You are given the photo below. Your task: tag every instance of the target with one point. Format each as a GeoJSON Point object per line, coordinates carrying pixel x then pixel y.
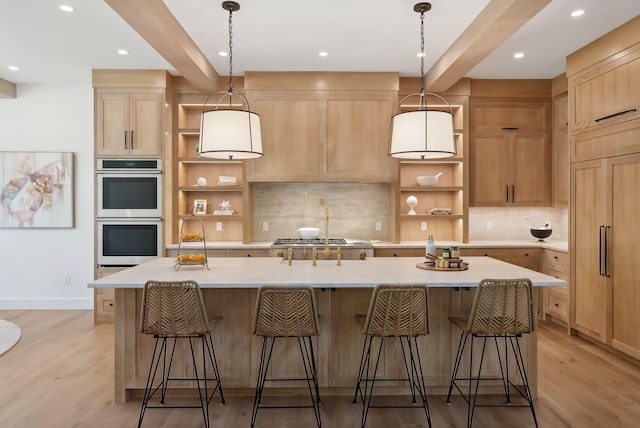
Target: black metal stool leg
{"type": "Point", "coordinates": [216, 372]}
{"type": "Point", "coordinates": [153, 368]}
{"type": "Point", "coordinates": [523, 376]}
{"type": "Point", "coordinates": [456, 365]}
{"type": "Point", "coordinates": [364, 359]}
{"type": "Point", "coordinates": [368, 391]}
{"type": "Point", "coordinates": [308, 361]}
{"type": "Point", "coordinates": [265, 359]}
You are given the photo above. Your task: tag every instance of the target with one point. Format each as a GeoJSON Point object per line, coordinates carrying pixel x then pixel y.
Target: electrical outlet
{"type": "Point", "coordinates": [489, 225]}
{"type": "Point", "coordinates": [67, 279]}
{"type": "Point", "coordinates": [218, 226]}
{"type": "Point", "coordinates": [378, 226]}
{"type": "Point", "coordinates": [265, 226]}
{"type": "Point", "coordinates": [423, 225]}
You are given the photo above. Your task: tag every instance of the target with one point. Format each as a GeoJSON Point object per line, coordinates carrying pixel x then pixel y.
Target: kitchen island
{"type": "Point", "coordinates": [229, 289]}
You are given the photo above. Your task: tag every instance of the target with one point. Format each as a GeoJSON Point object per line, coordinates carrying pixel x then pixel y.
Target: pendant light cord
{"type": "Point", "coordinates": [230, 53]}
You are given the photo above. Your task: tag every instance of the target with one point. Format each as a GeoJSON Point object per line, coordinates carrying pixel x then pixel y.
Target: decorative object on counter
{"type": "Point", "coordinates": [412, 201]}
{"type": "Point", "coordinates": [425, 133]}
{"type": "Point", "coordinates": [430, 248]}
{"type": "Point", "coordinates": [199, 259]}
{"type": "Point", "coordinates": [308, 232]}
{"type": "Point", "coordinates": [440, 211]}
{"type": "Point", "coordinates": [428, 180]}
{"type": "Point", "coordinates": [201, 181]}
{"type": "Point", "coordinates": [226, 209]}
{"type": "Point", "coordinates": [226, 180]}
{"type": "Point", "coordinates": [442, 264]}
{"type": "Point", "coordinates": [541, 232]}
{"type": "Point", "coordinates": [229, 131]}
{"type": "Point", "coordinates": [191, 236]}
{"type": "Point", "coordinates": [199, 206]}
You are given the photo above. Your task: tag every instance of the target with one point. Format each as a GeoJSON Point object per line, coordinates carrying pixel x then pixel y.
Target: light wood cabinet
{"type": "Point", "coordinates": [555, 300]}
{"type": "Point", "coordinates": [560, 144]}
{"type": "Point", "coordinates": [510, 153]}
{"type": "Point", "coordinates": [605, 243]}
{"type": "Point", "coordinates": [189, 168]}
{"type": "Point", "coordinates": [129, 123]}
{"type": "Point", "coordinates": [607, 93]}
{"type": "Point", "coordinates": [530, 258]}
{"type": "Point", "coordinates": [323, 135]}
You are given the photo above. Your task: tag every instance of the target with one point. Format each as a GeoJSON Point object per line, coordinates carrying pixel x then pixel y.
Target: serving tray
{"type": "Point", "coordinates": [428, 266]}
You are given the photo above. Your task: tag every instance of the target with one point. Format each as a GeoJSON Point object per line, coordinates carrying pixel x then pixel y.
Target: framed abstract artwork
{"type": "Point", "coordinates": [36, 189]}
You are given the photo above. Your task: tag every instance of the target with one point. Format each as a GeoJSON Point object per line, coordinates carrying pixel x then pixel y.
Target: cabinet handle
{"type": "Point", "coordinates": [611, 116]}
{"type": "Point", "coordinates": [507, 194]}
{"type": "Point", "coordinates": [132, 145]}
{"type": "Point", "coordinates": [600, 242]}
{"type": "Point", "coordinates": [607, 238]}
{"type": "Point", "coordinates": [513, 193]}
{"type": "Point", "coordinates": [508, 128]}
{"type": "Point", "coordinates": [125, 140]}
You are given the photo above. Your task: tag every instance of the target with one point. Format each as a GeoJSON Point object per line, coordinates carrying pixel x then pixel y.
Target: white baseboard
{"type": "Point", "coordinates": [44, 304]}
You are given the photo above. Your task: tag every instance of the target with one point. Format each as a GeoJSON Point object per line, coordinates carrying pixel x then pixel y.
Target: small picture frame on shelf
{"type": "Point", "coordinates": [199, 206]}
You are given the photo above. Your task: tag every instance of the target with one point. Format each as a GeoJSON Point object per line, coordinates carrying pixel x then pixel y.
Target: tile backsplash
{"type": "Point", "coordinates": [513, 223]}
{"type": "Point", "coordinates": [355, 208]}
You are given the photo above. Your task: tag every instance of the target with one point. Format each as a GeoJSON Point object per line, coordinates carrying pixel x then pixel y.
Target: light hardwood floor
{"type": "Point", "coordinates": [60, 375]}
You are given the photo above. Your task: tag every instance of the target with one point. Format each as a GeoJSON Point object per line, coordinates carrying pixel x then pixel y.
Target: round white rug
{"type": "Point", "coordinates": [9, 335]}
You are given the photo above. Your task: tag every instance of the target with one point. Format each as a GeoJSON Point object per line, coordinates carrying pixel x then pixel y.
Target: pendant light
{"type": "Point", "coordinates": [230, 130]}
{"type": "Point", "coordinates": [426, 132]}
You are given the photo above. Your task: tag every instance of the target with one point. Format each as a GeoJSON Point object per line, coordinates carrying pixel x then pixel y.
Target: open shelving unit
{"type": "Point", "coordinates": [450, 192]}
{"type": "Point", "coordinates": [190, 167]}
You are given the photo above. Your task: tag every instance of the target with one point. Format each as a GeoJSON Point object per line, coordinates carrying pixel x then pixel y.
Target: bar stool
{"type": "Point", "coordinates": [175, 310]}
{"type": "Point", "coordinates": [400, 311]}
{"type": "Point", "coordinates": [502, 309]}
{"type": "Point", "coordinates": [283, 312]}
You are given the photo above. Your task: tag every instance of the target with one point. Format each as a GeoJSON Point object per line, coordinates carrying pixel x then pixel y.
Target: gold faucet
{"type": "Point", "coordinates": [326, 251]}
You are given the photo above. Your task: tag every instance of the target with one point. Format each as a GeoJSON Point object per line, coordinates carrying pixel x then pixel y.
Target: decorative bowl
{"type": "Point", "coordinates": [428, 180]}
{"type": "Point", "coordinates": [541, 233]}
{"type": "Point", "coordinates": [308, 232]}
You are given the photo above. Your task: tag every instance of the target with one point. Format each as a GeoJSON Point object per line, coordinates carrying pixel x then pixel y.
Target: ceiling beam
{"type": "Point", "coordinates": [7, 89]}
{"type": "Point", "coordinates": [495, 24]}
{"type": "Point", "coordinates": [157, 25]}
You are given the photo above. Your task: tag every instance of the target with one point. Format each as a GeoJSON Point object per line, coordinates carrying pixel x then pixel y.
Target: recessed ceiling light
{"type": "Point", "coordinates": [578, 12]}
{"type": "Point", "coordinates": [323, 53]}
{"type": "Point", "coordinates": [223, 53]}
{"type": "Point", "coordinates": [13, 68]}
{"type": "Point", "coordinates": [66, 8]}
{"type": "Point", "coordinates": [123, 52]}
{"type": "Point", "coordinates": [518, 55]}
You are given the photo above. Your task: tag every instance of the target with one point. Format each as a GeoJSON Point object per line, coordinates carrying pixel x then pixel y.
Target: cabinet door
{"type": "Point", "coordinates": [607, 95]}
{"type": "Point", "coordinates": [561, 152]}
{"type": "Point", "coordinates": [529, 172]}
{"type": "Point", "coordinates": [490, 154]}
{"type": "Point", "coordinates": [146, 124]}
{"type": "Point", "coordinates": [292, 139]}
{"type": "Point", "coordinates": [112, 124]}
{"type": "Point", "coordinates": [624, 269]}
{"type": "Point", "coordinates": [588, 286]}
{"type": "Point", "coordinates": [129, 124]}
{"type": "Point", "coordinates": [357, 139]}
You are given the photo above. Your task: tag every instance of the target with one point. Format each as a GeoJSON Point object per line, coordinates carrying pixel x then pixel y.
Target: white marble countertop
{"type": "Point", "coordinates": [252, 272]}
{"type": "Point", "coordinates": [547, 244]}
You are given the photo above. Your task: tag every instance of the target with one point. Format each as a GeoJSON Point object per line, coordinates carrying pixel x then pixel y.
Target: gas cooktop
{"type": "Point", "coordinates": [316, 241]}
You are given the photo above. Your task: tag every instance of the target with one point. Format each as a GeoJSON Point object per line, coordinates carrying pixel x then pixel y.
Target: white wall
{"type": "Point", "coordinates": [34, 261]}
